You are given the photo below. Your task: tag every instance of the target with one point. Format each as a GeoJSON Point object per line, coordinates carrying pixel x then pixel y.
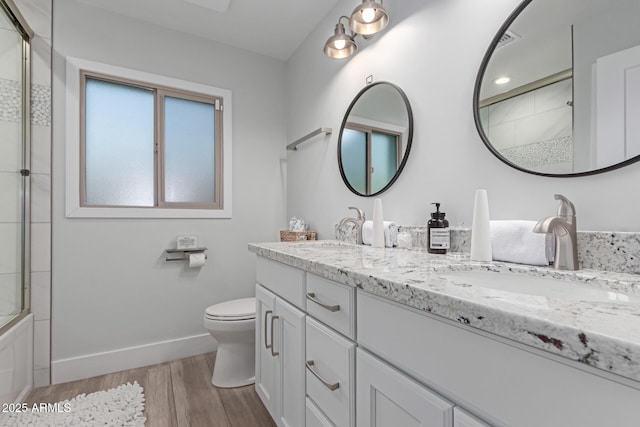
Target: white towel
{"type": "Point", "coordinates": [515, 241]}
{"type": "Point", "coordinates": [390, 233]}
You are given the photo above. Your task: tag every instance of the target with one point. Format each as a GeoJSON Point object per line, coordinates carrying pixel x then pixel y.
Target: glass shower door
{"type": "Point", "coordinates": [14, 180]}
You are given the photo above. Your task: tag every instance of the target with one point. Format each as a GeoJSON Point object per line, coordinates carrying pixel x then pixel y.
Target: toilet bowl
{"type": "Point", "coordinates": [232, 324]}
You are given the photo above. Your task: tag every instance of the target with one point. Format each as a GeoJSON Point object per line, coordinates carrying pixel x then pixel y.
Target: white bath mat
{"type": "Point", "coordinates": [120, 406]}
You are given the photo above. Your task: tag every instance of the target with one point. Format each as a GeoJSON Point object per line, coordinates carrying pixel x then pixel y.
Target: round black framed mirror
{"type": "Point", "coordinates": [375, 139]}
{"type": "Point", "coordinates": [558, 89]}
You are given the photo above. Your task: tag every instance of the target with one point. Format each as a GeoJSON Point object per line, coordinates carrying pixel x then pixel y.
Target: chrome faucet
{"type": "Point", "coordinates": [563, 227]}
{"type": "Point", "coordinates": [358, 222]}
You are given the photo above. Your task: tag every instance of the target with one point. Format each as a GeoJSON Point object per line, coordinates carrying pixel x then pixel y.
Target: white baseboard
{"type": "Point", "coordinates": [80, 367]}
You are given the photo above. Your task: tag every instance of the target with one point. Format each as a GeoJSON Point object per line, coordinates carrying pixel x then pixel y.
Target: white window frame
{"type": "Point", "coordinates": [72, 196]}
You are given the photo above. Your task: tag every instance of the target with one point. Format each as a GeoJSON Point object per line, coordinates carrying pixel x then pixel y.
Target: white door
{"type": "Point", "coordinates": [289, 346]}
{"type": "Point", "coordinates": [386, 397]}
{"type": "Point", "coordinates": [618, 106]}
{"type": "Point", "coordinates": [266, 385]}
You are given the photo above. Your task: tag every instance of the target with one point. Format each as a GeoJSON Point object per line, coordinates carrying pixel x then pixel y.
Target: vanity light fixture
{"type": "Point", "coordinates": [502, 80]}
{"type": "Point", "coordinates": [366, 20]}
{"type": "Point", "coordinates": [340, 45]}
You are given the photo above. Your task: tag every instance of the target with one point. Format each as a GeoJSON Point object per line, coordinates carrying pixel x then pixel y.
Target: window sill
{"type": "Point", "coordinates": [84, 212]}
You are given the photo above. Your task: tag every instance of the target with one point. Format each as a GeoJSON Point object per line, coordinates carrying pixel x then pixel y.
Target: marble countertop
{"type": "Point", "coordinates": [600, 332]}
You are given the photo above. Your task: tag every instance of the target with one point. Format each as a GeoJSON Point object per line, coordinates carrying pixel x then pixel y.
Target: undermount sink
{"type": "Point", "coordinates": [549, 287]}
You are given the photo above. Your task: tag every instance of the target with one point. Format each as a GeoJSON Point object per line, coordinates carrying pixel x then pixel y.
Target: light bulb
{"type": "Point", "coordinates": [502, 80]}
{"type": "Point", "coordinates": [339, 44]}
{"type": "Point", "coordinates": [368, 14]}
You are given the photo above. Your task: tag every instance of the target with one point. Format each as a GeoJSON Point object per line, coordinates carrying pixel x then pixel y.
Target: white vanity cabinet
{"type": "Point", "coordinates": [504, 383]}
{"type": "Point", "coordinates": [387, 397]}
{"type": "Point", "coordinates": [346, 357]}
{"type": "Point", "coordinates": [280, 344]}
{"type": "Point", "coordinates": [309, 370]}
{"type": "Point", "coordinates": [462, 418]}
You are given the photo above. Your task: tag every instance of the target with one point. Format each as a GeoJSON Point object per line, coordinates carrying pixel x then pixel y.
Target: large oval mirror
{"type": "Point", "coordinates": [558, 91]}
{"type": "Point", "coordinates": [375, 138]}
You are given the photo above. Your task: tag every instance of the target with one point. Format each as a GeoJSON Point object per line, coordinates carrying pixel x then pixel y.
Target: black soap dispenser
{"type": "Point", "coordinates": [438, 235]}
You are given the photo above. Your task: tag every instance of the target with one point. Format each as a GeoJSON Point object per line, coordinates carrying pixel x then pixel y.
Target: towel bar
{"type": "Point", "coordinates": [294, 144]}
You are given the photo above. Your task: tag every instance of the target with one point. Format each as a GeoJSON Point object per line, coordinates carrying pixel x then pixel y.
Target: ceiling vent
{"type": "Point", "coordinates": [507, 37]}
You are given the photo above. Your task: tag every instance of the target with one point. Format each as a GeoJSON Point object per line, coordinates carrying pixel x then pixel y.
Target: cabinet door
{"type": "Point", "coordinates": [461, 418]}
{"type": "Point", "coordinates": [266, 385]}
{"type": "Point", "coordinates": [289, 346]}
{"type": "Point", "coordinates": [387, 397]}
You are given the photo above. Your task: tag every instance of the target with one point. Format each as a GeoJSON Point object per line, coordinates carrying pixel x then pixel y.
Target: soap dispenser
{"type": "Point", "coordinates": [438, 235]}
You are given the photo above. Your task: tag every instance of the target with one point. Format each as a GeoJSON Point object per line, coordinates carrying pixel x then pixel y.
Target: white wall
{"type": "Point", "coordinates": [432, 49]}
{"type": "Point", "coordinates": [111, 287]}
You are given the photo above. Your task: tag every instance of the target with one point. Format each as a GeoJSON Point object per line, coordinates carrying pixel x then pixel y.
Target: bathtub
{"type": "Point", "coordinates": [16, 363]}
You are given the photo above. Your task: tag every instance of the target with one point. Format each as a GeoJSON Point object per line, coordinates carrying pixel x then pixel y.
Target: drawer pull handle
{"type": "Point", "coordinates": [312, 296]}
{"type": "Point", "coordinates": [310, 364]}
{"type": "Point", "coordinates": [266, 341]}
{"type": "Point", "coordinates": [273, 353]}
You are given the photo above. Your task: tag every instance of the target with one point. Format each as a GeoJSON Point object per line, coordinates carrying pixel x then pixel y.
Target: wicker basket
{"type": "Point", "coordinates": [296, 236]}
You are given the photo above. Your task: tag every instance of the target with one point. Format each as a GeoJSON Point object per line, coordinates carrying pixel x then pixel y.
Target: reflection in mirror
{"type": "Point", "coordinates": [558, 89]}
{"type": "Point", "coordinates": [375, 138]}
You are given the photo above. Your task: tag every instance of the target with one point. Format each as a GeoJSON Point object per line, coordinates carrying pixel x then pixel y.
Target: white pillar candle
{"type": "Point", "coordinates": [481, 229]}
{"type": "Point", "coordinates": [378, 224]}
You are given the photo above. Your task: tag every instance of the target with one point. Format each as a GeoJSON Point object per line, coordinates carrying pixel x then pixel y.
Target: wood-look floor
{"type": "Point", "coordinates": [177, 393]}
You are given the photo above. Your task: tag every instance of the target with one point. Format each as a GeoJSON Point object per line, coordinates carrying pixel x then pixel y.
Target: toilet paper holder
{"type": "Point", "coordinates": [183, 253]}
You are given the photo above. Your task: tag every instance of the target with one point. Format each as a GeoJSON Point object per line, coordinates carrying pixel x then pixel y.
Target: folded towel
{"type": "Point", "coordinates": [515, 241]}
{"type": "Point", "coordinates": [390, 233]}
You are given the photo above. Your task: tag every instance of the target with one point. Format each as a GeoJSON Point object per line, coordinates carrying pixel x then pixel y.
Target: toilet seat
{"type": "Point", "coordinates": [239, 309]}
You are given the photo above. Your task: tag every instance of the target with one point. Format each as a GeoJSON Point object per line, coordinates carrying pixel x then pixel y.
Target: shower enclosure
{"type": "Point", "coordinates": [14, 167]}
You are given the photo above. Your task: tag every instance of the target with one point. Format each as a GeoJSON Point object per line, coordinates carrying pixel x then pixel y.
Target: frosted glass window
{"type": "Point", "coordinates": [146, 145]}
{"type": "Point", "coordinates": [119, 144]}
{"type": "Point", "coordinates": [189, 151]}
{"type": "Point", "coordinates": [384, 160]}
{"type": "Point", "coordinates": [354, 158]}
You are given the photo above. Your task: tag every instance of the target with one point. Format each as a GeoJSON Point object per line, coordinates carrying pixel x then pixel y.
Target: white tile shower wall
{"type": "Point", "coordinates": [536, 122]}
{"type": "Point", "coordinates": [38, 15]}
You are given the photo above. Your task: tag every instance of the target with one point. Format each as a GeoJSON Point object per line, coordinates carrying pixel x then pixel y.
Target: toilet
{"type": "Point", "coordinates": [232, 324]}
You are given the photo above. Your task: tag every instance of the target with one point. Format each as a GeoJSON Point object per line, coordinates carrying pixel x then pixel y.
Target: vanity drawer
{"type": "Point", "coordinates": [332, 303]}
{"type": "Point", "coordinates": [330, 364]}
{"type": "Point", "coordinates": [286, 282]}
{"type": "Point", "coordinates": [315, 417]}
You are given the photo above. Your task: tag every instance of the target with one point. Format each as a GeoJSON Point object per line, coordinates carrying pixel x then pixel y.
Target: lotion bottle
{"type": "Point", "coordinates": [438, 234]}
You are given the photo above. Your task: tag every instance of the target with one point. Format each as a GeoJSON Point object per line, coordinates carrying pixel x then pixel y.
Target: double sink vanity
{"type": "Point", "coordinates": [350, 335]}
{"type": "Point", "coordinates": [353, 335]}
